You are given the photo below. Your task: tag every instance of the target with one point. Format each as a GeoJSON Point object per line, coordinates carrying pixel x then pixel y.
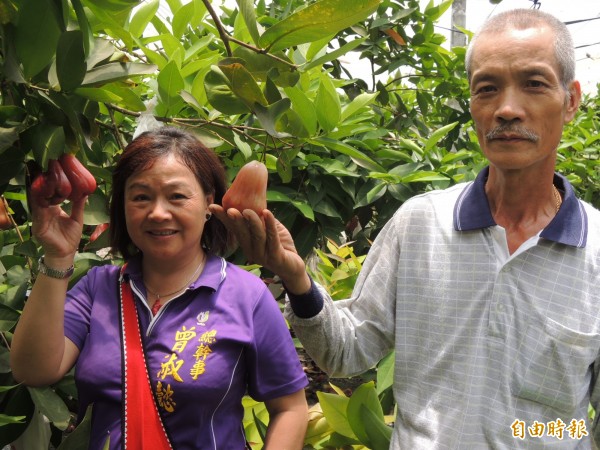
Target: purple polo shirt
{"type": "Point", "coordinates": [224, 337]}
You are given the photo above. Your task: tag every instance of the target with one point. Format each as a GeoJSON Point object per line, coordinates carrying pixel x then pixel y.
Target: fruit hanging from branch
{"type": "Point", "coordinates": [51, 187]}
{"type": "Point", "coordinates": [82, 181]}
{"type": "Point", "coordinates": [66, 178]}
{"type": "Point", "coordinates": [249, 189]}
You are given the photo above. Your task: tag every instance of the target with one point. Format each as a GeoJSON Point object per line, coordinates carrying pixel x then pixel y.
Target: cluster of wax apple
{"type": "Point", "coordinates": [249, 189]}
{"type": "Point", "coordinates": [66, 178]}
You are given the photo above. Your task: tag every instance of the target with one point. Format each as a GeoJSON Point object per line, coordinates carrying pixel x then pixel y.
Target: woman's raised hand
{"type": "Point", "coordinates": [267, 243]}
{"type": "Point", "coordinates": [58, 232]}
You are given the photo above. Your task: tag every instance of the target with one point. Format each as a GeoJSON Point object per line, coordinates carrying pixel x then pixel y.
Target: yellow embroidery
{"type": "Point", "coordinates": [165, 397]}
{"type": "Point", "coordinates": [171, 367]}
{"type": "Point", "coordinates": [182, 338]}
{"type": "Point", "coordinates": [208, 337]}
{"type": "Point", "coordinates": [203, 351]}
{"type": "Point", "coordinates": [198, 369]}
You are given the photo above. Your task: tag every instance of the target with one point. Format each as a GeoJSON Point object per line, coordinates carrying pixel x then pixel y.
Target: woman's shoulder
{"type": "Point", "coordinates": [100, 274]}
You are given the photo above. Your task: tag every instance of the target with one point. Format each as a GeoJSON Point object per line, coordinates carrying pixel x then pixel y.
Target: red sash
{"type": "Point", "coordinates": [142, 426]}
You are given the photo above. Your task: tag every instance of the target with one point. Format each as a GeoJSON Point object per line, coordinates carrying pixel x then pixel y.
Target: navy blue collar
{"type": "Point", "coordinates": [569, 226]}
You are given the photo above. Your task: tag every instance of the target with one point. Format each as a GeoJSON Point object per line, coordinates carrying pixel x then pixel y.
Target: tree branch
{"type": "Point", "coordinates": [224, 36]}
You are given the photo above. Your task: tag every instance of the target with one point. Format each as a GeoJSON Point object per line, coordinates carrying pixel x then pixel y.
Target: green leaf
{"type": "Point", "coordinates": [116, 71]}
{"type": "Point", "coordinates": [438, 135]}
{"type": "Point", "coordinates": [316, 21]}
{"type": "Point", "coordinates": [79, 438]}
{"type": "Point", "coordinates": [170, 82]}
{"type": "Point", "coordinates": [424, 176]}
{"type": "Point", "coordinates": [114, 6]}
{"type": "Point", "coordinates": [269, 115]}
{"type": "Point", "coordinates": [84, 26]}
{"type": "Point", "coordinates": [8, 136]}
{"type": "Point", "coordinates": [249, 15]}
{"type": "Point", "coordinates": [98, 95]}
{"type": "Point", "coordinates": [51, 405]}
{"type": "Point", "coordinates": [357, 103]}
{"type": "Point", "coordinates": [8, 317]}
{"type": "Point", "coordinates": [70, 60]}
{"type": "Point", "coordinates": [304, 208]}
{"type": "Point", "coordinates": [368, 194]}
{"type": "Point", "coordinates": [220, 95]}
{"type": "Point", "coordinates": [263, 66]}
{"type": "Point", "coordinates": [188, 16]}
{"type": "Point", "coordinates": [335, 410]}
{"type": "Point", "coordinates": [385, 373]}
{"type": "Point", "coordinates": [379, 435]}
{"type": "Point", "coordinates": [242, 146]}
{"type": "Point", "coordinates": [330, 56]}
{"type": "Point", "coordinates": [327, 105]}
{"type": "Point", "coordinates": [49, 143]}
{"type": "Point", "coordinates": [304, 107]}
{"type": "Point", "coordinates": [128, 98]}
{"type": "Point", "coordinates": [5, 420]}
{"type": "Point", "coordinates": [364, 396]}
{"type": "Point", "coordinates": [142, 17]}
{"type": "Point", "coordinates": [357, 156]}
{"type": "Point", "coordinates": [37, 35]}
{"type": "Point", "coordinates": [243, 84]}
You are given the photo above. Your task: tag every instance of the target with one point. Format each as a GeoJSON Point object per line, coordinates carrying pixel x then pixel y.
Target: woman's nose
{"type": "Point", "coordinates": [160, 210]}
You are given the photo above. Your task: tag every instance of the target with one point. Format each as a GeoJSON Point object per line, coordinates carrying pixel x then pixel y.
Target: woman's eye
{"type": "Point", "coordinates": [139, 197]}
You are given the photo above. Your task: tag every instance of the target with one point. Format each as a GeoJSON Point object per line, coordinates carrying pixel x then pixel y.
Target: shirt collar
{"type": "Point", "coordinates": [212, 275]}
{"type": "Point", "coordinates": [569, 226]}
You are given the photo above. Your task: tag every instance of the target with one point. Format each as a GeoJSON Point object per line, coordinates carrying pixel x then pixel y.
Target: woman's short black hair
{"type": "Point", "coordinates": [141, 154]}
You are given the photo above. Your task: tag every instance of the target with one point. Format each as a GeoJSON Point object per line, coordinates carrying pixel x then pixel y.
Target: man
{"type": "Point", "coordinates": [488, 291]}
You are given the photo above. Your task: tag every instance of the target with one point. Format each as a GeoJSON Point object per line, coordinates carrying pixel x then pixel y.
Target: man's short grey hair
{"type": "Point", "coordinates": [522, 19]}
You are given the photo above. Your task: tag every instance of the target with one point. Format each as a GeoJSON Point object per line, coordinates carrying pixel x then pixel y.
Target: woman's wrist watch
{"type": "Point", "coordinates": [54, 273]}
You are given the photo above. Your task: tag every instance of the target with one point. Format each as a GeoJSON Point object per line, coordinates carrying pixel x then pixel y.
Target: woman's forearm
{"type": "Point", "coordinates": [38, 355]}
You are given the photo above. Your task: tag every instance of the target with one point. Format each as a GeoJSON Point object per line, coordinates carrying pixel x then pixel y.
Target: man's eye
{"type": "Point", "coordinates": [535, 83]}
{"type": "Point", "coordinates": [486, 89]}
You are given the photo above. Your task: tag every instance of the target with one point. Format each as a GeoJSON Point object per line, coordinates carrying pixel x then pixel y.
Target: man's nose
{"type": "Point", "coordinates": [510, 106]}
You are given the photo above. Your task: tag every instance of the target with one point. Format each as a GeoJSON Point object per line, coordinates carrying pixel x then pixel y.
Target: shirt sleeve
{"type": "Point", "coordinates": [348, 337]}
{"type": "Point", "coordinates": [78, 309]}
{"type": "Point", "coordinates": [274, 369]}
{"type": "Point", "coordinates": [308, 304]}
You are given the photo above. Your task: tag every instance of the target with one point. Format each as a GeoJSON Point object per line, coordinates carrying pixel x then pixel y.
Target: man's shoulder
{"type": "Point", "coordinates": [438, 197]}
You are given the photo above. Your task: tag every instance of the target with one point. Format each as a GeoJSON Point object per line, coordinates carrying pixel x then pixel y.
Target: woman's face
{"type": "Point", "coordinates": [165, 209]}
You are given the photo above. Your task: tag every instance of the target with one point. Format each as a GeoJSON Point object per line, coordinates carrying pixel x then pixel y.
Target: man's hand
{"type": "Point", "coordinates": [267, 242]}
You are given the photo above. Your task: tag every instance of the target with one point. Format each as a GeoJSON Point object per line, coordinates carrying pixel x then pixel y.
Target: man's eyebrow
{"type": "Point", "coordinates": [482, 77]}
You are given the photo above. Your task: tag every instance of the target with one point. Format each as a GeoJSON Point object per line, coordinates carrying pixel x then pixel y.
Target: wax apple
{"type": "Point", "coordinates": [249, 189]}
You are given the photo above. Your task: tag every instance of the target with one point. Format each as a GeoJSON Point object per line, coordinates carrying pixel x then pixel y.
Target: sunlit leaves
{"type": "Point", "coordinates": [316, 21]}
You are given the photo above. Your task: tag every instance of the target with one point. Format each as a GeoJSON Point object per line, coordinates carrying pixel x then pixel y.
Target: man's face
{"type": "Point", "coordinates": [518, 103]}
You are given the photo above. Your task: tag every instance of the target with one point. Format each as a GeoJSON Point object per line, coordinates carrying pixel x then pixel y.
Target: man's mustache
{"type": "Point", "coordinates": [511, 131]}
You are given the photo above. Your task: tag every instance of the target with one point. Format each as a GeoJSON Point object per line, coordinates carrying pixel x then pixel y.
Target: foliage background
{"type": "Point", "coordinates": [266, 81]}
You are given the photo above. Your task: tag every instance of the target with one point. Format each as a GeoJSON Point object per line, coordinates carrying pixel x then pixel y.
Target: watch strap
{"type": "Point", "coordinates": [54, 273]}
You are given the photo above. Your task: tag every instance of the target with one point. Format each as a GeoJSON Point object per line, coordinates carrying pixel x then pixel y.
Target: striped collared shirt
{"type": "Point", "coordinates": [489, 352]}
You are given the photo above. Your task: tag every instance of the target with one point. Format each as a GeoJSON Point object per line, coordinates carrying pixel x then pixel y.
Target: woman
{"type": "Point", "coordinates": [210, 331]}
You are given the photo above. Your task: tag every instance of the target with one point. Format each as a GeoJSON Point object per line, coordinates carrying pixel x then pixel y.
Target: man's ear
{"type": "Point", "coordinates": [573, 100]}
